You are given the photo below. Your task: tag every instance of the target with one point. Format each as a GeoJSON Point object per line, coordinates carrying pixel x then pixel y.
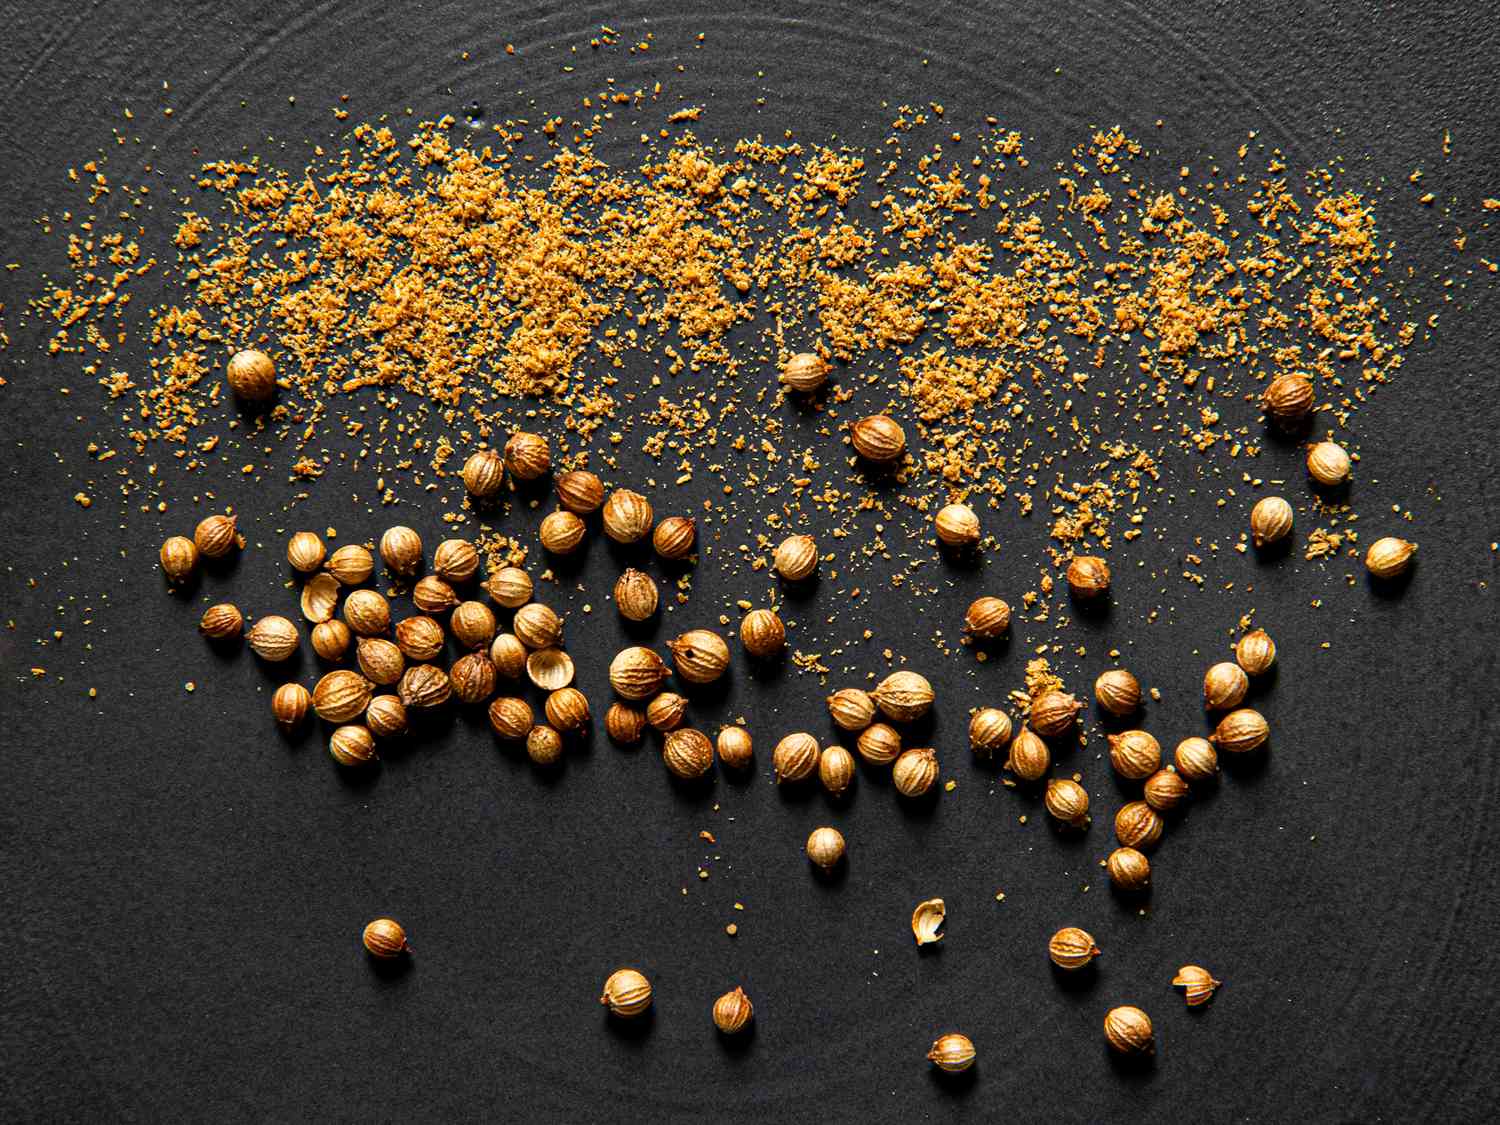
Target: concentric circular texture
{"type": "Point", "coordinates": [957, 526]}
{"type": "Point", "coordinates": [903, 696]}
{"type": "Point", "coordinates": [215, 536]}
{"type": "Point", "coordinates": [251, 375]}
{"type": "Point", "coordinates": [528, 456]}
{"type": "Point", "coordinates": [915, 771]}
{"type": "Point", "coordinates": [627, 516]}
{"type": "Point", "coordinates": [341, 695]}
{"type": "Point", "coordinates": [675, 537]}
{"type": "Point", "coordinates": [879, 439]}
{"type": "Point", "coordinates": [687, 753]}
{"type": "Point", "coordinates": [701, 656]}
{"type": "Point", "coordinates": [795, 757]}
{"type": "Point", "coordinates": [484, 474]}
{"type": "Point", "coordinates": [637, 672]}
{"type": "Point", "coordinates": [953, 1053]}
{"type": "Point", "coordinates": [367, 612]}
{"type": "Point", "coordinates": [550, 669]}
{"type": "Point", "coordinates": [796, 558]}
{"type": "Point", "coordinates": [626, 993]}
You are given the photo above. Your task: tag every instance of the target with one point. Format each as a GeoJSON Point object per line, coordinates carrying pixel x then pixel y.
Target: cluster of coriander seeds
{"type": "Point", "coordinates": [874, 719]}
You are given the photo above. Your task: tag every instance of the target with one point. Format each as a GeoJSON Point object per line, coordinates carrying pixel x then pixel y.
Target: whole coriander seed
{"type": "Point", "coordinates": [1030, 758]}
{"type": "Point", "coordinates": [423, 687]}
{"type": "Point", "coordinates": [637, 673]}
{"type": "Point", "coordinates": [795, 558]}
{"type": "Point", "coordinates": [528, 456]}
{"type": "Point", "coordinates": [1138, 825]}
{"type": "Point", "coordinates": [536, 626]}
{"type": "Point", "coordinates": [1135, 754]}
{"type": "Point", "coordinates": [1197, 983]}
{"type": "Point", "coordinates": [1389, 557]}
{"type": "Point", "coordinates": [1053, 713]}
{"type": "Point", "coordinates": [627, 516]}
{"type": "Point", "coordinates": [957, 526]}
{"type": "Point", "coordinates": [305, 552]}
{"type": "Point", "coordinates": [1328, 463]}
{"type": "Point", "coordinates": [879, 744]}
{"type": "Point", "coordinates": [179, 558]}
{"type": "Point", "coordinates": [341, 695]}
{"type": "Point", "coordinates": [667, 711]}
{"type": "Point", "coordinates": [735, 747]}
{"type": "Point", "coordinates": [289, 706]}
{"type": "Point", "coordinates": [509, 655]}
{"type": "Point", "coordinates": [795, 757]}
{"type": "Point", "coordinates": [987, 618]}
{"type": "Point", "coordinates": [1088, 577]}
{"type": "Point", "coordinates": [805, 372]}
{"type": "Point", "coordinates": [561, 532]}
{"type": "Point", "coordinates": [1270, 521]}
{"type": "Point", "coordinates": [580, 492]}
{"type": "Point", "coordinates": [510, 587]}
{"type": "Point", "coordinates": [733, 1011]}
{"type": "Point", "coordinates": [456, 561]}
{"type": "Point", "coordinates": [511, 717]}
{"type": "Point", "coordinates": [1240, 731]}
{"type": "Point", "coordinates": [472, 678]}
{"type": "Point", "coordinates": [251, 375]}
{"type": "Point", "coordinates": [675, 537]}
{"type": "Point", "coordinates": [1127, 1030]}
{"type": "Point", "coordinates": [1196, 759]}
{"type": "Point", "coordinates": [1072, 948]}
{"type": "Point", "coordinates": [762, 633]}
{"type": "Point", "coordinates": [331, 640]}
{"type": "Point", "coordinates": [624, 724]}
{"type": "Point", "coordinates": [473, 624]}
{"type": "Point", "coordinates": [1255, 652]}
{"type": "Point", "coordinates": [687, 753]}
{"type": "Point", "coordinates": [636, 596]}
{"type": "Point", "coordinates": [380, 661]}
{"type": "Point", "coordinates": [567, 709]}
{"type": "Point", "coordinates": [384, 938]}
{"type": "Point", "coordinates": [215, 536]}
{"type": "Point", "coordinates": [626, 993]}
{"type": "Point", "coordinates": [1288, 400]}
{"type": "Point", "coordinates": [852, 709]}
{"type": "Point", "coordinates": [367, 612]}
{"type": "Point", "coordinates": [701, 656]}
{"type": "Point", "coordinates": [825, 847]}
{"type": "Point", "coordinates": [1129, 869]}
{"type": "Point", "coordinates": [386, 716]}
{"type": "Point", "coordinates": [352, 745]}
{"type": "Point", "coordinates": [1224, 686]}
{"type": "Point", "coordinates": [419, 638]}
{"type": "Point", "coordinates": [879, 439]}
{"type": "Point", "coordinates": [915, 772]}
{"type": "Point", "coordinates": [550, 669]}
{"type": "Point", "coordinates": [273, 638]}
{"type": "Point", "coordinates": [351, 564]}
{"type": "Point", "coordinates": [320, 597]}
{"type": "Point", "coordinates": [484, 474]}
{"type": "Point", "coordinates": [903, 696]}
{"type": "Point", "coordinates": [836, 770]}
{"type": "Point", "coordinates": [220, 622]}
{"type": "Point", "coordinates": [544, 746]}
{"type": "Point", "coordinates": [953, 1053]}
{"type": "Point", "coordinates": [1067, 802]}
{"type": "Point", "coordinates": [989, 731]}
{"type": "Point", "coordinates": [1165, 790]}
{"type": "Point", "coordinates": [401, 551]}
{"type": "Point", "coordinates": [1118, 692]}
{"type": "Point", "coordinates": [432, 594]}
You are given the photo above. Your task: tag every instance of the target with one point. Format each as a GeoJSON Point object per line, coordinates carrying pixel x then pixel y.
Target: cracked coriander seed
{"type": "Point", "coordinates": [1389, 557]}
{"type": "Point", "coordinates": [879, 439]}
{"type": "Point", "coordinates": [1196, 759]}
{"type": "Point", "coordinates": [1270, 521]}
{"type": "Point", "coordinates": [401, 551]}
{"type": "Point", "coordinates": [927, 921]}
{"type": "Point", "coordinates": [675, 537]}
{"type": "Point", "coordinates": [836, 770]}
{"type": "Point", "coordinates": [915, 772]}
{"type": "Point", "coordinates": [687, 753]}
{"type": "Point", "coordinates": [1165, 790]}
{"type": "Point", "coordinates": [251, 375]}
{"type": "Point", "coordinates": [484, 474]}
{"type": "Point", "coordinates": [989, 730]}
{"type": "Point", "coordinates": [666, 712]}
{"type": "Point", "coordinates": [987, 618]}
{"type": "Point", "coordinates": [536, 626]}
{"type": "Point", "coordinates": [795, 557]}
{"type": "Point", "coordinates": [1224, 686]}
{"type": "Point", "coordinates": [179, 558]}
{"type": "Point", "coordinates": [1030, 758]}
{"type": "Point", "coordinates": [627, 516]}
{"type": "Point", "coordinates": [544, 745]}
{"type": "Point", "coordinates": [341, 695]}
{"type": "Point", "coordinates": [511, 717]}
{"type": "Point", "coordinates": [1118, 692]}
{"type": "Point", "coordinates": [550, 669]}
{"type": "Point", "coordinates": [1088, 577]}
{"type": "Point", "coordinates": [273, 638]}
{"type": "Point", "coordinates": [624, 725]}
{"type": "Point", "coordinates": [636, 595]}
{"type": "Point", "coordinates": [762, 633]}
{"type": "Point", "coordinates": [379, 660]}
{"type": "Point", "coordinates": [637, 672]}
{"type": "Point", "coordinates": [1053, 713]}
{"type": "Point", "coordinates": [1066, 801]}
{"type": "Point", "coordinates": [1197, 983]}
{"type": "Point", "coordinates": [805, 372]}
{"type": "Point", "coordinates": [220, 622]}
{"type": "Point", "coordinates": [580, 492]}
{"type": "Point", "coordinates": [879, 744]}
{"type": "Point", "coordinates": [289, 706]}
{"type": "Point", "coordinates": [386, 717]}
{"type": "Point", "coordinates": [528, 456]}
{"type": "Point", "coordinates": [825, 847]}
{"type": "Point", "coordinates": [953, 1052]}
{"type": "Point", "coordinates": [1328, 463]}
{"type": "Point", "coordinates": [455, 561]}
{"type": "Point", "coordinates": [367, 612]}
{"type": "Point", "coordinates": [1241, 731]}
{"type": "Point", "coordinates": [1255, 652]}
{"type": "Point", "coordinates": [795, 757]}
{"type": "Point", "coordinates": [701, 656]}
{"type": "Point", "coordinates": [1129, 869]}
{"type": "Point", "coordinates": [626, 993]}
{"type": "Point", "coordinates": [331, 640]}
{"type": "Point", "coordinates": [903, 696]}
{"type": "Point", "coordinates": [1138, 825]}
{"type": "Point", "coordinates": [1127, 1029]}
{"type": "Point", "coordinates": [852, 709]}
{"type": "Point", "coordinates": [320, 597]}
{"type": "Point", "coordinates": [215, 536]}
{"type": "Point", "coordinates": [384, 938]}
{"type": "Point", "coordinates": [733, 1011]}
{"type": "Point", "coordinates": [352, 745]}
{"type": "Point", "coordinates": [957, 526]}
{"type": "Point", "coordinates": [1072, 948]}
{"type": "Point", "coordinates": [509, 586]}
{"type": "Point", "coordinates": [351, 564]}
{"type": "Point", "coordinates": [735, 748]}
{"type": "Point", "coordinates": [419, 638]}
{"type": "Point", "coordinates": [561, 532]}
{"type": "Point", "coordinates": [1288, 400]}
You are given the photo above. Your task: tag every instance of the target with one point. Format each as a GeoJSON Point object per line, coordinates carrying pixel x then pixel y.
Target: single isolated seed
{"type": "Point", "coordinates": [1165, 790]}
{"type": "Point", "coordinates": [1224, 686]}
{"type": "Point", "coordinates": [473, 624]}
{"type": "Point", "coordinates": [735, 748]}
{"type": "Point", "coordinates": [1389, 557]}
{"type": "Point", "coordinates": [1270, 521]}
{"type": "Point", "coordinates": [1255, 652]}
{"type": "Point", "coordinates": [1135, 754]}
{"type": "Point", "coordinates": [380, 660]}
{"type": "Point", "coordinates": [957, 526]}
{"type": "Point", "coordinates": [386, 716]}
{"type": "Point", "coordinates": [627, 516]}
{"type": "Point", "coordinates": [825, 847]}
{"type": "Point", "coordinates": [352, 745]}
{"type": "Point", "coordinates": [341, 695]}
{"type": "Point", "coordinates": [987, 618]}
{"type": "Point", "coordinates": [550, 669]}
{"type": "Point", "coordinates": [700, 655]}
{"type": "Point", "coordinates": [424, 686]}
{"type": "Point", "coordinates": [1072, 948]}
{"type": "Point", "coordinates": [1129, 869]}
{"type": "Point", "coordinates": [637, 673]}
{"type": "Point", "coordinates": [927, 921]}
{"type": "Point", "coordinates": [220, 622]}
{"type": "Point", "coordinates": [215, 536]}
{"type": "Point", "coordinates": [1127, 1029]}
{"type": "Point", "coordinates": [1288, 400]}
{"type": "Point", "coordinates": [561, 532]}
{"type": "Point", "coordinates": [675, 537]}
{"type": "Point", "coordinates": [351, 564]}
{"type": "Point", "coordinates": [1328, 463]}
{"type": "Point", "coordinates": [1241, 731]}
{"type": "Point", "coordinates": [805, 372]}
{"type": "Point", "coordinates": [952, 1052]}
{"type": "Point", "coordinates": [567, 709]}
{"type": "Point", "coordinates": [484, 474]}
{"type": "Point", "coordinates": [273, 638]}
{"type": "Point", "coordinates": [509, 586]}
{"type": "Point", "coordinates": [762, 633]}
{"type": "Point", "coordinates": [580, 492]}
{"type": "Point", "coordinates": [795, 757]}
{"type": "Point", "coordinates": [455, 561]}
{"type": "Point", "coordinates": [836, 770]}
{"type": "Point", "coordinates": [636, 595]}
{"type": "Point", "coordinates": [419, 638]}
{"type": "Point", "coordinates": [733, 1011]}
{"type": "Point", "coordinates": [432, 594]}
{"type": "Point", "coordinates": [472, 678]}
{"type": "Point", "coordinates": [879, 744]}
{"type": "Point", "coordinates": [385, 938]}
{"type": "Point", "coordinates": [1067, 802]}
{"type": "Point", "coordinates": [179, 558]}
{"type": "Point", "coordinates": [251, 375]}
{"type": "Point", "coordinates": [1118, 692]}
{"type": "Point", "coordinates": [320, 597]}
{"type": "Point", "coordinates": [289, 706]}
{"type": "Point", "coordinates": [367, 612]}
{"type": "Point", "coordinates": [401, 551]}
{"type": "Point", "coordinates": [626, 993]}
{"type": "Point", "coordinates": [795, 558]}
{"type": "Point", "coordinates": [1088, 577]}
{"type": "Point", "coordinates": [989, 730]}
{"type": "Point", "coordinates": [331, 639]}
{"type": "Point", "coordinates": [852, 709]}
{"type": "Point", "coordinates": [511, 717]}
{"type": "Point", "coordinates": [667, 711]}
{"type": "Point", "coordinates": [1196, 759]}
{"type": "Point", "coordinates": [879, 439]}
{"type": "Point", "coordinates": [1030, 758]}
{"type": "Point", "coordinates": [1138, 825]}
{"type": "Point", "coordinates": [624, 724]}
{"type": "Point", "coordinates": [915, 771]}
{"type": "Point", "coordinates": [1053, 713]}
{"type": "Point", "coordinates": [536, 626]}
{"type": "Point", "coordinates": [1197, 983]}
{"type": "Point", "coordinates": [903, 696]}
{"type": "Point", "coordinates": [528, 456]}
{"type": "Point", "coordinates": [544, 745]}
{"type": "Point", "coordinates": [687, 753]}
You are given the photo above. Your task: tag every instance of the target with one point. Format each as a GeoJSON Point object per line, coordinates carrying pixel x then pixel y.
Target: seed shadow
{"type": "Point", "coordinates": [737, 1044]}
{"type": "Point", "coordinates": [569, 564]}
{"type": "Point", "coordinates": [631, 1030]}
{"type": "Point", "coordinates": [1075, 983]}
{"type": "Point", "coordinates": [390, 970]}
{"type": "Point", "coordinates": [1391, 589]}
{"type": "Point", "coordinates": [831, 878]}
{"type": "Point", "coordinates": [222, 567]}
{"type": "Point", "coordinates": [803, 590]}
{"type": "Point", "coordinates": [1129, 901]}
{"type": "Point", "coordinates": [709, 694]}
{"type": "Point", "coordinates": [967, 560]}
{"type": "Point", "coordinates": [766, 669]}
{"type": "Point", "coordinates": [1092, 611]}
{"type": "Point", "coordinates": [358, 779]}
{"type": "Point", "coordinates": [996, 648]}
{"type": "Point", "coordinates": [921, 808]}
{"type": "Point", "coordinates": [1135, 1068]}
{"type": "Point", "coordinates": [1268, 553]}
{"type": "Point", "coordinates": [952, 1085]}
{"type": "Point", "coordinates": [1247, 767]}
{"type": "Point", "coordinates": [694, 790]}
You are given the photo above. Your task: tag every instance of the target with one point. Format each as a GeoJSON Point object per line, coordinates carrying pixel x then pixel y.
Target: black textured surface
{"type": "Point", "coordinates": [186, 891]}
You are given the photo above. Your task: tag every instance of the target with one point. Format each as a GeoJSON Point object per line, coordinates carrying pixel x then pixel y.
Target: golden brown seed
{"type": "Point", "coordinates": [701, 656]}
{"type": "Point", "coordinates": [509, 655]}
{"type": "Point", "coordinates": [220, 622]}
{"type": "Point", "coordinates": [735, 749]}
{"type": "Point", "coordinates": [419, 638]}
{"type": "Point", "coordinates": [179, 558]}
{"type": "Point", "coordinates": [1053, 713]}
{"type": "Point", "coordinates": [510, 587]}
{"type": "Point", "coordinates": [455, 560]}
{"type": "Point", "coordinates": [352, 745]}
{"type": "Point", "coordinates": [561, 532]}
{"type": "Point", "coordinates": [1196, 759]}
{"type": "Point", "coordinates": [952, 1052]}
{"type": "Point", "coordinates": [624, 725]}
{"type": "Point", "coordinates": [1224, 686]}
{"type": "Point", "coordinates": [1255, 652]}
{"type": "Point", "coordinates": [733, 1011]}
{"type": "Point", "coordinates": [1328, 463]}
{"type": "Point", "coordinates": [805, 372]}
{"type": "Point", "coordinates": [879, 744]}
{"type": "Point", "coordinates": [385, 938]}
{"type": "Point", "coordinates": [424, 686]}
{"type": "Point", "coordinates": [796, 557]}
{"type": "Point", "coordinates": [330, 639]}
{"type": "Point", "coordinates": [915, 771]}
{"type": "Point", "coordinates": [1197, 983]}
{"type": "Point", "coordinates": [795, 757]}
{"type": "Point", "coordinates": [637, 672]}
{"type": "Point", "coordinates": [367, 612]}
{"type": "Point", "coordinates": [1129, 869]}
{"type": "Point", "coordinates": [350, 564]}
{"type": "Point", "coordinates": [1138, 825]}
{"type": "Point", "coordinates": [636, 595]}
{"type": "Point", "coordinates": [836, 769]}
{"type": "Point", "coordinates": [386, 716]}
{"type": "Point", "coordinates": [852, 709]}
{"type": "Point", "coordinates": [1389, 557]}
{"type": "Point", "coordinates": [878, 438]}
{"type": "Point", "coordinates": [1067, 802]}
{"type": "Point", "coordinates": [341, 695]}
{"type": "Point", "coordinates": [1030, 758]}
{"type": "Point", "coordinates": [762, 633]}
{"type": "Point", "coordinates": [567, 709]}
{"type": "Point", "coordinates": [401, 551]}
{"type": "Point", "coordinates": [903, 696]}
{"type": "Point", "coordinates": [1127, 1029]}
{"type": "Point", "coordinates": [251, 375]}
{"type": "Point", "coordinates": [473, 624]}
{"type": "Point", "coordinates": [927, 921]}
{"type": "Point", "coordinates": [687, 753]}
{"type": "Point", "coordinates": [627, 516]}
{"type": "Point", "coordinates": [528, 456]}
{"type": "Point", "coordinates": [432, 594]}
{"type": "Point", "coordinates": [1288, 400]}
{"type": "Point", "coordinates": [667, 711]}
{"type": "Point", "coordinates": [289, 706]}
{"type": "Point", "coordinates": [215, 536]}
{"type": "Point", "coordinates": [957, 526]}
{"type": "Point", "coordinates": [273, 638]}
{"type": "Point", "coordinates": [1165, 790]}
{"type": "Point", "coordinates": [484, 474]}
{"type": "Point", "coordinates": [536, 626]}
{"type": "Point", "coordinates": [987, 618]}
{"type": "Point", "coordinates": [825, 847]}
{"type": "Point", "coordinates": [550, 669]}
{"type": "Point", "coordinates": [1088, 577]}
{"type": "Point", "coordinates": [1270, 521]}
{"type": "Point", "coordinates": [580, 492]}
{"type": "Point", "coordinates": [1118, 692]}
{"type": "Point", "coordinates": [511, 717]}
{"type": "Point", "coordinates": [1240, 731]}
{"type": "Point", "coordinates": [989, 731]}
{"type": "Point", "coordinates": [1072, 948]}
{"type": "Point", "coordinates": [379, 660]}
{"type": "Point", "coordinates": [675, 537]}
{"type": "Point", "coordinates": [626, 993]}
{"type": "Point", "coordinates": [320, 597]}
{"type": "Point", "coordinates": [1135, 754]}
{"type": "Point", "coordinates": [472, 678]}
{"type": "Point", "coordinates": [544, 746]}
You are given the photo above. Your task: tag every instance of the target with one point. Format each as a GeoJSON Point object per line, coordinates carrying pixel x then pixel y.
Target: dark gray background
{"type": "Point", "coordinates": [186, 890]}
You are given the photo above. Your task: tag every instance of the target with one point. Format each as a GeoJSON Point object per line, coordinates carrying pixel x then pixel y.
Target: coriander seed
{"type": "Point", "coordinates": [637, 673]}
{"type": "Point", "coordinates": [386, 716]}
{"type": "Point", "coordinates": [879, 744]}
{"type": "Point", "coordinates": [511, 717]}
{"type": "Point", "coordinates": [624, 724]}
{"type": "Point", "coordinates": [1288, 400]}
{"type": "Point", "coordinates": [735, 748]}
{"type": "Point", "coordinates": [795, 757]}
{"type": "Point", "coordinates": [667, 711]}
{"type": "Point", "coordinates": [179, 558]}
{"type": "Point", "coordinates": [484, 474]}
{"type": "Point", "coordinates": [251, 375]}
{"type": "Point", "coordinates": [915, 772]}
{"type": "Point", "coordinates": [305, 552]}
{"type": "Point", "coordinates": [687, 753]}
{"type": "Point", "coordinates": [1270, 521]}
{"type": "Point", "coordinates": [989, 730]}
{"type": "Point", "coordinates": [1240, 731]}
{"type": "Point", "coordinates": [1135, 754]}
{"type": "Point", "coordinates": [1138, 825]}
{"type": "Point", "coordinates": [1053, 713]}
{"type": "Point", "coordinates": [701, 656]}
{"type": "Point", "coordinates": [473, 624]}
{"type": "Point", "coordinates": [903, 696]}
{"type": "Point", "coordinates": [879, 439]}
{"type": "Point", "coordinates": [367, 612]}
{"type": "Point", "coordinates": [675, 537]}
{"type": "Point", "coordinates": [215, 536]}
{"type": "Point", "coordinates": [762, 633]}
{"type": "Point", "coordinates": [220, 622]}
{"type": "Point", "coordinates": [1197, 983]}
{"type": "Point", "coordinates": [1196, 759]}
{"type": "Point", "coordinates": [636, 595]}
{"type": "Point", "coordinates": [528, 456]}
{"type": "Point", "coordinates": [550, 669]}
{"type": "Point", "coordinates": [580, 492]}
{"type": "Point", "coordinates": [351, 564]}
{"type": "Point", "coordinates": [456, 561]}
{"type": "Point", "coordinates": [852, 709]}
{"type": "Point", "coordinates": [987, 618]}
{"type": "Point", "coordinates": [320, 597]}
{"type": "Point", "coordinates": [1165, 790]}
{"type": "Point", "coordinates": [1030, 758]}
{"type": "Point", "coordinates": [953, 1052]}
{"type": "Point", "coordinates": [509, 586]}
{"type": "Point", "coordinates": [1118, 692]}
{"type": "Point", "coordinates": [561, 532]}
{"type": "Point", "coordinates": [825, 847]}
{"type": "Point", "coordinates": [1224, 686]}
{"type": "Point", "coordinates": [805, 372]}
{"type": "Point", "coordinates": [836, 770]}
{"type": "Point", "coordinates": [1129, 869]}
{"type": "Point", "coordinates": [341, 695]}
{"type": "Point", "coordinates": [472, 678]}
{"type": "Point", "coordinates": [1072, 948]}
{"type": "Point", "coordinates": [379, 660]}
{"type": "Point", "coordinates": [1255, 652]}
{"type": "Point", "coordinates": [627, 516]}
{"type": "Point", "coordinates": [423, 687]}
{"type": "Point", "coordinates": [1088, 577]}
{"type": "Point", "coordinates": [273, 638]}
{"type": "Point", "coordinates": [536, 626]}
{"type": "Point", "coordinates": [331, 640]}
{"type": "Point", "coordinates": [544, 745]}
{"type": "Point", "coordinates": [1389, 557]}
{"type": "Point", "coordinates": [401, 551]}
{"type": "Point", "coordinates": [509, 655]}
{"type": "Point", "coordinates": [352, 745]}
{"type": "Point", "coordinates": [626, 993]}
{"type": "Point", "coordinates": [733, 1011]}
{"type": "Point", "coordinates": [432, 594]}
{"type": "Point", "coordinates": [289, 706]}
{"type": "Point", "coordinates": [567, 709]}
{"type": "Point", "coordinates": [1328, 463]}
{"type": "Point", "coordinates": [419, 638]}
{"type": "Point", "coordinates": [1127, 1029]}
{"type": "Point", "coordinates": [957, 526]}
{"type": "Point", "coordinates": [384, 938]}
{"type": "Point", "coordinates": [1066, 801]}
{"type": "Point", "coordinates": [795, 558]}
